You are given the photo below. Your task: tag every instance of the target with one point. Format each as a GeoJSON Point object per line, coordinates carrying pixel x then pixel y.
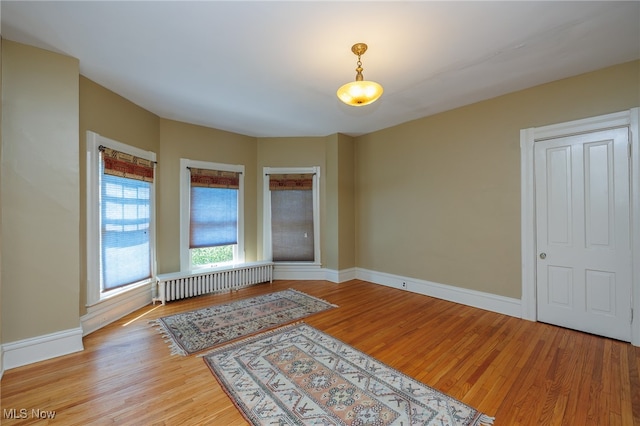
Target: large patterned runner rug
{"type": "Point", "coordinates": [298, 375]}
{"type": "Point", "coordinates": [194, 331]}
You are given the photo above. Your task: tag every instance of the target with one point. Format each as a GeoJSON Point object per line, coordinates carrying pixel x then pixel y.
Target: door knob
{"type": "Point", "coordinates": [543, 255]}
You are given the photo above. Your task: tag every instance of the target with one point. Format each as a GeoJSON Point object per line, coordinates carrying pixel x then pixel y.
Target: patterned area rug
{"type": "Point", "coordinates": [298, 375]}
{"type": "Point", "coordinates": [194, 331]}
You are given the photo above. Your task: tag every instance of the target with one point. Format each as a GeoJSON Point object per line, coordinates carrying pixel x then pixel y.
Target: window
{"type": "Point", "coordinates": [291, 223]}
{"type": "Point", "coordinates": [211, 214]}
{"type": "Point", "coordinates": [120, 219]}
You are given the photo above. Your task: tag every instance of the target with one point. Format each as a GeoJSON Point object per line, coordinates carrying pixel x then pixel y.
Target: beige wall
{"type": "Point", "coordinates": [331, 229]}
{"type": "Point", "coordinates": [40, 185]}
{"type": "Point", "coordinates": [346, 202]}
{"type": "Point", "coordinates": [339, 231]}
{"type": "Point", "coordinates": [182, 140]}
{"type": "Point", "coordinates": [112, 116]}
{"type": "Point", "coordinates": [438, 199]}
{"type": "Point", "coordinates": [1, 354]}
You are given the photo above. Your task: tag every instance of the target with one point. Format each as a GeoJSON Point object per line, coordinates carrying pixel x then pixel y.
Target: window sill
{"type": "Point", "coordinates": [297, 264]}
{"type": "Point", "coordinates": [115, 307]}
{"type": "Point", "coordinates": [116, 295]}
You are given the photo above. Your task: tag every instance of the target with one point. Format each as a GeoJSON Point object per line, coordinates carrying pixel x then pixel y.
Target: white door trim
{"type": "Point", "coordinates": [528, 137]}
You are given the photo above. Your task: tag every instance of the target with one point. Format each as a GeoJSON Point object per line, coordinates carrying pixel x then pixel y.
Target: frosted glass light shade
{"type": "Point", "coordinates": [360, 93]}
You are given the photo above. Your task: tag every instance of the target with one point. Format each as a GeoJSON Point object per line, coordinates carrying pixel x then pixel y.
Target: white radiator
{"type": "Point", "coordinates": [180, 285]}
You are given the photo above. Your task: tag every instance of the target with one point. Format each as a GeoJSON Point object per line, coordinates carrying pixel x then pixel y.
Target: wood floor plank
{"type": "Point", "coordinates": [522, 372]}
{"type": "Point", "coordinates": [633, 357]}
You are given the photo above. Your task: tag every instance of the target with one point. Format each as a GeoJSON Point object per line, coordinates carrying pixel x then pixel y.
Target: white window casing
{"type": "Point", "coordinates": [95, 294]}
{"type": "Point", "coordinates": [267, 237]}
{"type": "Point", "coordinates": [185, 205]}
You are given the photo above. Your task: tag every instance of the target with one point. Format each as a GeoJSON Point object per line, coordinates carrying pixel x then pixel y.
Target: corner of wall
{"type": "Point", "coordinates": [1, 361]}
{"type": "Point", "coordinates": [42, 106]}
{"type": "Point", "coordinates": [1, 349]}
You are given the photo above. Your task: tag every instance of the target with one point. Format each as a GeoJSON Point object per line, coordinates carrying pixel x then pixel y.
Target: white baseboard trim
{"type": "Point", "coordinates": [28, 351]}
{"type": "Point", "coordinates": [477, 299]}
{"type": "Point", "coordinates": [113, 309]}
{"type": "Point", "coordinates": [311, 272]}
{"type": "Point", "coordinates": [298, 272]}
{"type": "Point", "coordinates": [340, 276]}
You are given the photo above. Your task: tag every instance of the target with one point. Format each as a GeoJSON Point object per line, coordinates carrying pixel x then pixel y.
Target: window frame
{"type": "Point", "coordinates": [94, 283]}
{"type": "Point", "coordinates": [266, 224]}
{"type": "Point", "coordinates": [185, 207]}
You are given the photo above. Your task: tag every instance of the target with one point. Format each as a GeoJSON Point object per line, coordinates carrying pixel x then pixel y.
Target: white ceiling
{"type": "Point", "coordinates": [271, 68]}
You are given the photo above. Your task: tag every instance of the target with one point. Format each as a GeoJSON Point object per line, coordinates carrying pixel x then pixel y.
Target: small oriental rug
{"type": "Point", "coordinates": [195, 331]}
{"type": "Point", "coordinates": [298, 375]}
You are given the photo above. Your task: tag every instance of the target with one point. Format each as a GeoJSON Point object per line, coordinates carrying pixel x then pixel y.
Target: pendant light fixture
{"type": "Point", "coordinates": [360, 92]}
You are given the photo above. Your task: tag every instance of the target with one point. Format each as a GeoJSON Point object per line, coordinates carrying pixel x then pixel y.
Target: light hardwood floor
{"type": "Point", "coordinates": [521, 372]}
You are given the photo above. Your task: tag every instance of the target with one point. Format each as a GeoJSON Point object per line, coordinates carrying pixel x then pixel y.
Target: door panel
{"type": "Point", "coordinates": [561, 292]}
{"type": "Point", "coordinates": [559, 196]}
{"type": "Point", "coordinates": [582, 222]}
{"type": "Point", "coordinates": [601, 287]}
{"type": "Point", "coordinates": [599, 195]}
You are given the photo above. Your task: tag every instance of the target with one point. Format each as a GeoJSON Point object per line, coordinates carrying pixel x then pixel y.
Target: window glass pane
{"type": "Point", "coordinates": [214, 217]}
{"type": "Point", "coordinates": [125, 243]}
{"type": "Point", "coordinates": [211, 255]}
{"type": "Point", "coordinates": [292, 225]}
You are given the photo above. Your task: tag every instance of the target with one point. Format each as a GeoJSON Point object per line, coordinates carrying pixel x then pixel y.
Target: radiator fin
{"type": "Point", "coordinates": [181, 285]}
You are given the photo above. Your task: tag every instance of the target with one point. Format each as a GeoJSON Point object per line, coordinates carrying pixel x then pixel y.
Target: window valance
{"type": "Point", "coordinates": [214, 178]}
{"type": "Point", "coordinates": [288, 182]}
{"type": "Point", "coordinates": [117, 163]}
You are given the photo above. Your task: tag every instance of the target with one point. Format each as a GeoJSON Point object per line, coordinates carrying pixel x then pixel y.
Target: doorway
{"type": "Point", "coordinates": [579, 234]}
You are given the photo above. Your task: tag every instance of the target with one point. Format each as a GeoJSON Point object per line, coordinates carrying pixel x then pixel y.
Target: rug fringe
{"type": "Point", "coordinates": [314, 297]}
{"type": "Point", "coordinates": [485, 420]}
{"type": "Point", "coordinates": [166, 336]}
